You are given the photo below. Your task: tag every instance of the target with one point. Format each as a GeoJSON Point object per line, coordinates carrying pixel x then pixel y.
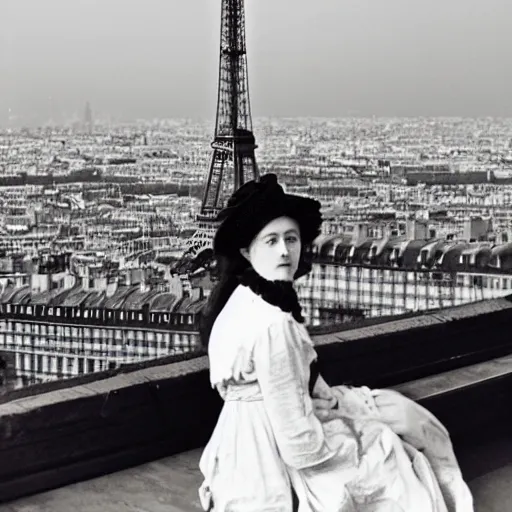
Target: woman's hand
{"type": "Point", "coordinates": [325, 404]}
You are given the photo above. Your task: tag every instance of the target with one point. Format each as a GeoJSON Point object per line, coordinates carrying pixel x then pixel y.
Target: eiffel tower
{"type": "Point", "coordinates": [233, 161]}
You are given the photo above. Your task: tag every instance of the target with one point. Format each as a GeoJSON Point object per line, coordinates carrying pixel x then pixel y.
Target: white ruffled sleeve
{"type": "Point", "coordinates": [281, 365]}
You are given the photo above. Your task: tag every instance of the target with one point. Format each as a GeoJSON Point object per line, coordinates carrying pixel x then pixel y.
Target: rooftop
{"type": "Point", "coordinates": [403, 254]}
{"type": "Point", "coordinates": [125, 297]}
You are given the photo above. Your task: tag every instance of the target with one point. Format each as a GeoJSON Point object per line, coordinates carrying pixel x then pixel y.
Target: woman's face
{"type": "Point", "coordinates": [274, 252]}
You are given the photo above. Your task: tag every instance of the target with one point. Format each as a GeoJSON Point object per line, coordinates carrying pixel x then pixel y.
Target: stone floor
{"type": "Point", "coordinates": [493, 491]}
{"type": "Point", "coordinates": [166, 485]}
{"type": "Point", "coordinates": [170, 485]}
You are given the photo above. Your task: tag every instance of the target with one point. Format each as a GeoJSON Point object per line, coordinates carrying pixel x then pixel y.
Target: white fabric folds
{"type": "Point", "coordinates": [268, 438]}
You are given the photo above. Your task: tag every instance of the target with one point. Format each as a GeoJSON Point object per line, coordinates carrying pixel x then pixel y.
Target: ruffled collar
{"type": "Point", "coordinates": [277, 293]}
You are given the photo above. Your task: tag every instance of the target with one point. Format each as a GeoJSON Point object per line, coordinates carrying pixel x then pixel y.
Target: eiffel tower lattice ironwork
{"type": "Point", "coordinates": [233, 161]}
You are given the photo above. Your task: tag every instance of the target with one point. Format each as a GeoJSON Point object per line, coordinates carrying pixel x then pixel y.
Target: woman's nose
{"type": "Point", "coordinates": [283, 248]}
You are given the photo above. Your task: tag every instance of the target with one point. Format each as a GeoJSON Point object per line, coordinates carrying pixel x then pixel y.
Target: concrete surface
{"type": "Point", "coordinates": [166, 485]}
{"type": "Point", "coordinates": [170, 485]}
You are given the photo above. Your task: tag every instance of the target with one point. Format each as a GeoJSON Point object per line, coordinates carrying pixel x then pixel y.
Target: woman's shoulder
{"type": "Point", "coordinates": [248, 312]}
{"type": "Point", "coordinates": [248, 323]}
{"type": "Point", "coordinates": [245, 299]}
{"type": "Point", "coordinates": [242, 324]}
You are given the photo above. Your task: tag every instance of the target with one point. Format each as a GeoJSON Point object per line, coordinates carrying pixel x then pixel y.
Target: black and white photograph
{"type": "Point", "coordinates": [255, 256]}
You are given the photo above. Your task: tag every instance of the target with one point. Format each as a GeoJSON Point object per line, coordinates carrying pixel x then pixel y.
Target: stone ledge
{"type": "Point", "coordinates": [472, 402]}
{"type": "Point", "coordinates": [457, 380]}
{"type": "Point", "coordinates": [103, 386]}
{"type": "Point", "coordinates": [126, 369]}
{"type": "Point", "coordinates": [171, 483]}
{"type": "Point", "coordinates": [96, 427]}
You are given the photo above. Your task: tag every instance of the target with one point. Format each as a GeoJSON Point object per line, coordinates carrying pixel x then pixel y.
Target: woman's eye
{"type": "Point", "coordinates": [291, 239]}
{"type": "Point", "coordinates": [271, 241]}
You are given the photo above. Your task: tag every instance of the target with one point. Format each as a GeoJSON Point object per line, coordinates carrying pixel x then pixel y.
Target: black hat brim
{"type": "Point", "coordinates": [242, 224]}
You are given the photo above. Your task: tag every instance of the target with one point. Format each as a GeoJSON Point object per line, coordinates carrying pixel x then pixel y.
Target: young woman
{"type": "Point", "coordinates": [269, 436]}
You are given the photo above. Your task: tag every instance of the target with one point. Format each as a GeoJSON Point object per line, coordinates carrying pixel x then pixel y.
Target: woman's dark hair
{"type": "Point", "coordinates": [229, 270]}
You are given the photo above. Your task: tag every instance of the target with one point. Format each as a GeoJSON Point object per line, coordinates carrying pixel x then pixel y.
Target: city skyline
{"type": "Point", "coordinates": [160, 59]}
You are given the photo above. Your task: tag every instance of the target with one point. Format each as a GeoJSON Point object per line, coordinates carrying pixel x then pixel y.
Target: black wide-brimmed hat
{"type": "Point", "coordinates": [254, 205]}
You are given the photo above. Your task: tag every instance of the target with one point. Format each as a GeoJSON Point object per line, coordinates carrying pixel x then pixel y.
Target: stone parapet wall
{"type": "Point", "coordinates": [94, 426]}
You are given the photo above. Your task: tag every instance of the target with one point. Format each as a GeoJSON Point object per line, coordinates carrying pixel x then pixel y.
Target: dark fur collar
{"type": "Point", "coordinates": [278, 293]}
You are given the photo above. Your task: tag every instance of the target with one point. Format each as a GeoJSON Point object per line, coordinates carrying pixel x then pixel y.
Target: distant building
{"type": "Point", "coordinates": [53, 342]}
{"type": "Point", "coordinates": [61, 324]}
{"type": "Point", "coordinates": [395, 275]}
{"type": "Point", "coordinates": [88, 122]}
{"type": "Point", "coordinates": [7, 372]}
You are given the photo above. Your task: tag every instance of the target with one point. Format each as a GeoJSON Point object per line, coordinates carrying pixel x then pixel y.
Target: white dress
{"type": "Point", "coordinates": [267, 435]}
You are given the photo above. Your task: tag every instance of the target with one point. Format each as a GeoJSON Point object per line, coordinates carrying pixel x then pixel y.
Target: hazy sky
{"type": "Point", "coordinates": [159, 58]}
